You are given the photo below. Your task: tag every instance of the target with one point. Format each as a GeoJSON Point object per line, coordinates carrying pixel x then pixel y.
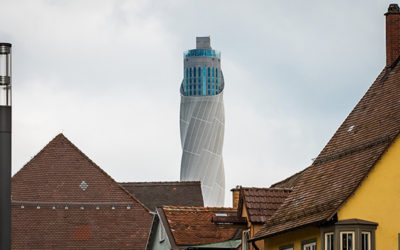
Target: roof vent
{"type": "Point", "coordinates": [83, 185]}
{"type": "Point", "coordinates": [350, 128]}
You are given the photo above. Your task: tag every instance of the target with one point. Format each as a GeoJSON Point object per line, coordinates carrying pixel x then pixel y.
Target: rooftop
{"type": "Point", "coordinates": [175, 193]}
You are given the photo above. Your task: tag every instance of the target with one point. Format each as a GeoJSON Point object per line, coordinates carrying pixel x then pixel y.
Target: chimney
{"type": "Point", "coordinates": [235, 196]}
{"type": "Point", "coordinates": [392, 34]}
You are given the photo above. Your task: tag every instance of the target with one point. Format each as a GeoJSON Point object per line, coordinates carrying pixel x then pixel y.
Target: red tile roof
{"type": "Point", "coordinates": [174, 193]}
{"type": "Point", "coordinates": [261, 203]}
{"type": "Point", "coordinates": [193, 226]}
{"type": "Point", "coordinates": [75, 228]}
{"type": "Point", "coordinates": [53, 178]}
{"type": "Point", "coordinates": [346, 160]}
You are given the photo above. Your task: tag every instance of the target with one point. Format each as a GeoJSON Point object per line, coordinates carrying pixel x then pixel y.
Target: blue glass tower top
{"type": "Point", "coordinates": [202, 70]}
{"type": "Point", "coordinates": [202, 52]}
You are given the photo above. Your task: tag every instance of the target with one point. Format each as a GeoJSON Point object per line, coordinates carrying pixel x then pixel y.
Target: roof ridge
{"type": "Point", "coordinates": [269, 188]}
{"type": "Point", "coordinates": [159, 182]}
{"type": "Point", "coordinates": [40, 152]}
{"type": "Point", "coordinates": [199, 208]}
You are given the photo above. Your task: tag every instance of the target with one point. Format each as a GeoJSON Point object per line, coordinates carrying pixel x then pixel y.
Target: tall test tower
{"type": "Point", "coordinates": [202, 121]}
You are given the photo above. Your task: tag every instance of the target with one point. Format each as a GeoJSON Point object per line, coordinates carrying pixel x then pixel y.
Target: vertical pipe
{"type": "Point", "coordinates": [5, 148]}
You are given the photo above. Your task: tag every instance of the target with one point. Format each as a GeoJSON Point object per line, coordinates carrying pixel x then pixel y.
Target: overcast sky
{"type": "Point", "coordinates": [107, 75]}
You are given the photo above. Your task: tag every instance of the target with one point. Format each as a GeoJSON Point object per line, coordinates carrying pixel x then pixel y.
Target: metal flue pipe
{"type": "Point", "coordinates": [5, 146]}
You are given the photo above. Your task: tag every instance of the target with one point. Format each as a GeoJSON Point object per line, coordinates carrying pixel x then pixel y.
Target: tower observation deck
{"type": "Point", "coordinates": [202, 121]}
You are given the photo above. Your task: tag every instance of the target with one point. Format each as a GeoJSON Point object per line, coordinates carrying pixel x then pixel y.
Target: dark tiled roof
{"type": "Point", "coordinates": [157, 194]}
{"type": "Point", "coordinates": [346, 160]}
{"type": "Point", "coordinates": [356, 222]}
{"type": "Point", "coordinates": [53, 178]}
{"type": "Point", "coordinates": [193, 226]}
{"type": "Point", "coordinates": [75, 228]}
{"type": "Point", "coordinates": [261, 203]}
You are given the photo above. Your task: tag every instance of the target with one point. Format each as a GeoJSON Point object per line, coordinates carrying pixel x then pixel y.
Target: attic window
{"type": "Point", "coordinates": [350, 128]}
{"type": "Point", "coordinates": [83, 185]}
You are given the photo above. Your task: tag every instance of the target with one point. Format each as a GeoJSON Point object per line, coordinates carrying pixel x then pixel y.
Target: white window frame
{"type": "Point", "coordinates": [290, 247]}
{"type": "Point", "coordinates": [369, 239]}
{"type": "Point", "coordinates": [326, 240]}
{"type": "Point", "coordinates": [341, 239]}
{"type": "Point", "coordinates": [311, 245]}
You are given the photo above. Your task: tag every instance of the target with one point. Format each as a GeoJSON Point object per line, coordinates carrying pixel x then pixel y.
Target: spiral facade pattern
{"type": "Point", "coordinates": [202, 121]}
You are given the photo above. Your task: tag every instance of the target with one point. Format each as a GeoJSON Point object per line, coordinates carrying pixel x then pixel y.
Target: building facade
{"type": "Point", "coordinates": [202, 121]}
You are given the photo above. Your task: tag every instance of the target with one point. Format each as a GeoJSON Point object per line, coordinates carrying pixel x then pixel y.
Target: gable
{"type": "Point", "coordinates": [377, 199]}
{"type": "Point", "coordinates": [56, 173]}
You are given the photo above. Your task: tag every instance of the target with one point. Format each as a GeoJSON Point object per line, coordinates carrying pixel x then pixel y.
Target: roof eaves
{"type": "Point", "coordinates": [285, 231]}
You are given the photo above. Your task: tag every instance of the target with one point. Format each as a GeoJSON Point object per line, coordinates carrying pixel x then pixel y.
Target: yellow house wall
{"type": "Point", "coordinates": [294, 237]}
{"type": "Point", "coordinates": [253, 228]}
{"type": "Point", "coordinates": [378, 199]}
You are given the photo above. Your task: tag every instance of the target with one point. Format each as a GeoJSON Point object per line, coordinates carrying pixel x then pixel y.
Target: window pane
{"type": "Point", "coordinates": [350, 239]}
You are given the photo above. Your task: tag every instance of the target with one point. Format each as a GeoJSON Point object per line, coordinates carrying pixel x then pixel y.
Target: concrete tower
{"type": "Point", "coordinates": [202, 121]}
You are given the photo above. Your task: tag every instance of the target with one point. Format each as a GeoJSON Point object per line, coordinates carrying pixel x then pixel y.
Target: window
{"type": "Point", "coordinates": [365, 241]}
{"type": "Point", "coordinates": [204, 80]}
{"type": "Point", "coordinates": [347, 241]}
{"type": "Point", "coordinates": [194, 72]}
{"type": "Point", "coordinates": [310, 246]}
{"type": "Point", "coordinates": [190, 70]}
{"type": "Point", "coordinates": [329, 241]}
{"type": "Point", "coordinates": [287, 247]}
{"type": "Point", "coordinates": [208, 69]}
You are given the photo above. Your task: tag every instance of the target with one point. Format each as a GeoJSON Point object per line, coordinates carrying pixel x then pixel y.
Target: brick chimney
{"type": "Point", "coordinates": [235, 196]}
{"type": "Point", "coordinates": [392, 34]}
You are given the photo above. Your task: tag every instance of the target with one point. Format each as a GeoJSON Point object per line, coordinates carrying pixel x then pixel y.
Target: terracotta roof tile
{"type": "Point", "coordinates": [193, 225]}
{"type": "Point", "coordinates": [346, 160]}
{"type": "Point", "coordinates": [75, 228]}
{"type": "Point", "coordinates": [157, 194]}
{"type": "Point", "coordinates": [261, 203]}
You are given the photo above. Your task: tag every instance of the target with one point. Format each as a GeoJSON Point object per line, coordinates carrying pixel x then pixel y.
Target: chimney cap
{"type": "Point", "coordinates": [237, 188]}
{"type": "Point", "coordinates": [393, 9]}
{"type": "Point", "coordinates": [5, 44]}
